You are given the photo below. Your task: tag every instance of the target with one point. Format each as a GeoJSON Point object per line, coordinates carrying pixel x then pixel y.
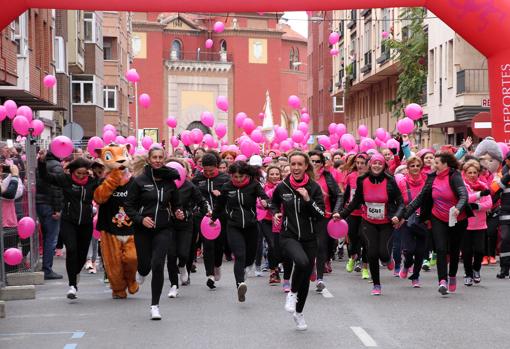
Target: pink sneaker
{"type": "Point", "coordinates": [452, 284]}
{"type": "Point", "coordinates": [376, 291]}
{"type": "Point", "coordinates": [391, 264]}
{"type": "Point", "coordinates": [286, 286]}
{"type": "Point", "coordinates": [403, 273]}
{"type": "Point", "coordinates": [443, 288]}
{"type": "Point", "coordinates": [416, 283]}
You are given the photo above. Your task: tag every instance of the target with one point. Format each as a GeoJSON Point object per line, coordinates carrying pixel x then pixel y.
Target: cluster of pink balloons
{"type": "Point", "coordinates": [22, 118]}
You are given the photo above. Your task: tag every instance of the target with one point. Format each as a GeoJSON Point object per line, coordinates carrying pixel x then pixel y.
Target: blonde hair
{"type": "Point", "coordinates": [471, 163]}
{"type": "Point", "coordinates": [414, 159]}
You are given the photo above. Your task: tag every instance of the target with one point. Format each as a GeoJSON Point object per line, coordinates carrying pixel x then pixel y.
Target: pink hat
{"type": "Point", "coordinates": [267, 160]}
{"type": "Point", "coordinates": [376, 157]}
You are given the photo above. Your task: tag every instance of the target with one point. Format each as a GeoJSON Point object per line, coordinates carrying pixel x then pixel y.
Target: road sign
{"type": "Point", "coordinates": [74, 131]}
{"type": "Point", "coordinates": [481, 124]}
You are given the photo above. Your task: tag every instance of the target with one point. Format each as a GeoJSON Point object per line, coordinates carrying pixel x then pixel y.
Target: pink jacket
{"type": "Point", "coordinates": [479, 221]}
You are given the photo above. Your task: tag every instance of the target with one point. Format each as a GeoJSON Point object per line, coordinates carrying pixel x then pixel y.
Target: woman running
{"type": "Point", "coordinates": [383, 207]}
{"type": "Point", "coordinates": [298, 202]}
{"type": "Point", "coordinates": [76, 224]}
{"type": "Point", "coordinates": [151, 197]}
{"type": "Point", "coordinates": [238, 199]}
{"type": "Point", "coordinates": [444, 198]}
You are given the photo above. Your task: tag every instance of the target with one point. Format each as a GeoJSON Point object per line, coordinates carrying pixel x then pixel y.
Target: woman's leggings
{"type": "Point", "coordinates": [414, 248]}
{"type": "Point", "coordinates": [179, 246]}
{"type": "Point", "coordinates": [303, 254]}
{"type": "Point", "coordinates": [473, 250]}
{"type": "Point", "coordinates": [195, 243]}
{"type": "Point", "coordinates": [378, 239]}
{"type": "Point", "coordinates": [447, 241]}
{"type": "Point", "coordinates": [322, 246]}
{"type": "Point", "coordinates": [76, 239]}
{"type": "Point", "coordinates": [492, 235]}
{"type": "Point", "coordinates": [273, 253]}
{"type": "Point", "coordinates": [151, 249]}
{"type": "Point", "coordinates": [397, 247]}
{"type": "Point", "coordinates": [356, 242]}
{"type": "Point", "coordinates": [213, 250]}
{"type": "Point", "coordinates": [92, 253]}
{"type": "Point", "coordinates": [243, 243]}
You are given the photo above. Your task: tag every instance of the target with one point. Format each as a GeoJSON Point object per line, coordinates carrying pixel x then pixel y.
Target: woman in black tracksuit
{"type": "Point", "coordinates": [210, 181]}
{"type": "Point", "coordinates": [237, 200]}
{"type": "Point", "coordinates": [298, 200]}
{"type": "Point", "coordinates": [150, 200]}
{"type": "Point", "coordinates": [182, 233]}
{"type": "Point", "coordinates": [76, 224]}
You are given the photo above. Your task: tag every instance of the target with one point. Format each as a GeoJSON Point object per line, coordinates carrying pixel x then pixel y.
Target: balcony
{"type": "Point", "coordinates": [472, 81]}
{"type": "Point", "coordinates": [366, 12]}
{"type": "Point", "coordinates": [352, 22]}
{"type": "Point", "coordinates": [199, 61]}
{"type": "Point", "coordinates": [385, 54]}
{"type": "Point", "coordinates": [367, 68]}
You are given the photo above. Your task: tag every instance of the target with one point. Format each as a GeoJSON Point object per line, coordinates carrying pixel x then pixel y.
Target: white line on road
{"type": "Point", "coordinates": [28, 316]}
{"type": "Point", "coordinates": [364, 336]}
{"type": "Point", "coordinates": [39, 333]}
{"type": "Point", "coordinates": [77, 335]}
{"type": "Point", "coordinates": [70, 346]}
{"type": "Point", "coordinates": [326, 293]}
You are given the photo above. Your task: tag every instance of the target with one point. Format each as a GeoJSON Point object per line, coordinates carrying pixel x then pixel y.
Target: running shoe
{"type": "Point", "coordinates": [391, 264]}
{"type": "Point", "coordinates": [433, 260]}
{"type": "Point", "coordinates": [349, 266]}
{"type": "Point", "coordinates": [313, 277]}
{"type": "Point", "coordinates": [290, 302]}
{"type": "Point", "coordinates": [452, 284]}
{"type": "Point", "coordinates": [71, 293]}
{"type": "Point", "coordinates": [476, 277]}
{"type": "Point", "coordinates": [403, 273]}
{"type": "Point", "coordinates": [492, 260]}
{"type": "Point", "coordinates": [139, 279]}
{"type": "Point", "coordinates": [320, 286]}
{"type": "Point", "coordinates": [241, 292]}
{"type": "Point", "coordinates": [327, 267]}
{"type": "Point", "coordinates": [184, 276]}
{"type": "Point", "coordinates": [174, 292]}
{"type": "Point", "coordinates": [193, 268]}
{"type": "Point", "coordinates": [396, 272]}
{"type": "Point", "coordinates": [468, 281]}
{"type": "Point", "coordinates": [426, 265]}
{"type": "Point", "coordinates": [210, 283]}
{"type": "Point", "coordinates": [415, 283]}
{"type": "Point", "coordinates": [274, 278]}
{"type": "Point", "coordinates": [364, 274]}
{"type": "Point", "coordinates": [485, 260]}
{"type": "Point", "coordinates": [258, 271]}
{"type": "Point", "coordinates": [155, 314]}
{"type": "Point", "coordinates": [88, 265]}
{"type": "Point", "coordinates": [358, 266]}
{"type": "Point", "coordinates": [376, 290]}
{"type": "Point", "coordinates": [299, 319]}
{"type": "Point", "coordinates": [92, 269]}
{"type": "Point", "coordinates": [443, 288]}
{"type": "Point", "coordinates": [503, 273]}
{"type": "Point", "coordinates": [286, 286]}
{"type": "Point", "coordinates": [217, 273]}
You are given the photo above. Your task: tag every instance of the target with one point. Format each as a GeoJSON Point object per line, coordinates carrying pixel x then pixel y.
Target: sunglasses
{"type": "Point", "coordinates": [316, 161]}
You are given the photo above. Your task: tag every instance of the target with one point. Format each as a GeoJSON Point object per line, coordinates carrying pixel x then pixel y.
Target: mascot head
{"type": "Point", "coordinates": [490, 154]}
{"type": "Point", "coordinates": [115, 156]}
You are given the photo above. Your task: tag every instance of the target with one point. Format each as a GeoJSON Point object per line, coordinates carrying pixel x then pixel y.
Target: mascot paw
{"type": "Point", "coordinates": [133, 288]}
{"type": "Point", "coordinates": [119, 295]}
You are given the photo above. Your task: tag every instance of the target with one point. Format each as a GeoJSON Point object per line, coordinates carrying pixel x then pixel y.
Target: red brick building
{"type": "Point", "coordinates": [254, 54]}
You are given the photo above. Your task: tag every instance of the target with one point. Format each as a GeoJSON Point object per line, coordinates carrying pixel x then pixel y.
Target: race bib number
{"type": "Point", "coordinates": [375, 210]}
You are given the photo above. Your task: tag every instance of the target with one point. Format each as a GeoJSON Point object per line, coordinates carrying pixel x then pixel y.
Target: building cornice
{"type": "Point", "coordinates": [189, 66]}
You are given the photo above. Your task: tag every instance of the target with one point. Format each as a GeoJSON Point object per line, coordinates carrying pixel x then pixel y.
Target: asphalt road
{"type": "Point", "coordinates": [344, 317]}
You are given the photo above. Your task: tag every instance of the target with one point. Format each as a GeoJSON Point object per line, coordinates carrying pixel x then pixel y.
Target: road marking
{"type": "Point", "coordinates": [326, 294]}
{"type": "Point", "coordinates": [35, 333]}
{"type": "Point", "coordinates": [364, 336]}
{"type": "Point", "coordinates": [28, 316]}
{"type": "Point", "coordinates": [70, 346]}
{"type": "Point", "coordinates": [77, 335]}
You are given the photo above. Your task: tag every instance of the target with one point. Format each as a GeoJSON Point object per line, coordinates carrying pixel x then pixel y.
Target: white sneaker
{"type": "Point", "coordinates": [258, 271]}
{"type": "Point", "coordinates": [174, 292]}
{"type": "Point", "coordinates": [155, 314]}
{"type": "Point", "coordinates": [217, 273]}
{"type": "Point", "coordinates": [88, 265]}
{"type": "Point", "coordinates": [140, 279]}
{"type": "Point", "coordinates": [71, 294]}
{"type": "Point", "coordinates": [250, 271]}
{"type": "Point", "coordinates": [299, 319]}
{"type": "Point", "coordinates": [320, 286]}
{"type": "Point", "coordinates": [241, 292]}
{"type": "Point", "coordinates": [290, 303]}
{"type": "Point", "coordinates": [183, 272]}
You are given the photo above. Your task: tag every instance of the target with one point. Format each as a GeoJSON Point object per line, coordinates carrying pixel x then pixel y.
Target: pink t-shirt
{"type": "Point", "coordinates": [351, 182]}
{"type": "Point", "coordinates": [443, 197]}
{"type": "Point", "coordinates": [376, 201]}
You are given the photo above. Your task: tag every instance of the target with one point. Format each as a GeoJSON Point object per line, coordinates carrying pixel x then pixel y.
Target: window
{"type": "Point", "coordinates": [109, 48]}
{"type": "Point", "coordinates": [291, 59]}
{"type": "Point", "coordinates": [368, 38]}
{"type": "Point", "coordinates": [432, 71]}
{"type": "Point", "coordinates": [19, 34]}
{"type": "Point", "coordinates": [338, 104]}
{"type": "Point", "coordinates": [450, 64]}
{"type": "Point", "coordinates": [60, 55]}
{"type": "Point", "coordinates": [176, 50]}
{"type": "Point", "coordinates": [110, 98]}
{"type": "Point", "coordinates": [296, 55]}
{"type": "Point", "coordinates": [89, 26]}
{"type": "Point", "coordinates": [386, 20]}
{"type": "Point", "coordinates": [223, 45]}
{"type": "Point", "coordinates": [83, 89]}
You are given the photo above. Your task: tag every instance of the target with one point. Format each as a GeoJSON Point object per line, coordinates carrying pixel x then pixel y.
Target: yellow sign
{"type": "Point", "coordinates": [258, 51]}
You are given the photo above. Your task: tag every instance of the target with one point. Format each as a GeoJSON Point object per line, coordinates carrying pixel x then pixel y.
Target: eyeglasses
{"type": "Point", "coordinates": [413, 166]}
{"type": "Point", "coordinates": [316, 161]}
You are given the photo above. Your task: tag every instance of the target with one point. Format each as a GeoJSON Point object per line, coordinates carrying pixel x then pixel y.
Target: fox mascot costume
{"type": "Point", "coordinates": [117, 242]}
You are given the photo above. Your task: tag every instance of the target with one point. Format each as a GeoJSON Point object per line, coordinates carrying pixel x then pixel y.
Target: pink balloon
{"type": "Point", "coordinates": [414, 111]}
{"type": "Point", "coordinates": [186, 138]}
{"type": "Point", "coordinates": [132, 140]}
{"type": "Point", "coordinates": [285, 146]}
{"type": "Point", "coordinates": [209, 140]}
{"type": "Point", "coordinates": [222, 103]}
{"type": "Point", "coordinates": [261, 116]}
{"type": "Point", "coordinates": [132, 75]}
{"type": "Point", "coordinates": [145, 100]}
{"type": "Point", "coordinates": [294, 101]}
{"type": "Point", "coordinates": [38, 127]}
{"type": "Point", "coordinates": [3, 113]}
{"type": "Point", "coordinates": [348, 142]}
{"type": "Point", "coordinates": [341, 129]}
{"type": "Point", "coordinates": [147, 142]}
{"type": "Point", "coordinates": [334, 37]}
{"type": "Point", "coordinates": [207, 118]}
{"type": "Point", "coordinates": [305, 117]}
{"type": "Point", "coordinates": [21, 125]}
{"type": "Point", "coordinates": [219, 27]}
{"type": "Point", "coordinates": [240, 119]}
{"type": "Point", "coordinates": [61, 147]}
{"type": "Point", "coordinates": [11, 108]}
{"type": "Point", "coordinates": [362, 131]}
{"type": "Point", "coordinates": [26, 227]}
{"type": "Point", "coordinates": [174, 141]}
{"type": "Point", "coordinates": [298, 136]}
{"type": "Point", "coordinates": [379, 143]}
{"type": "Point", "coordinates": [182, 173]}
{"type": "Point", "coordinates": [334, 52]}
{"type": "Point", "coordinates": [240, 157]}
{"type": "Point", "coordinates": [197, 135]}
{"type": "Point", "coordinates": [332, 128]}
{"type": "Point", "coordinates": [13, 256]}
{"type": "Point", "coordinates": [171, 122]}
{"type": "Point", "coordinates": [393, 144]}
{"type": "Point", "coordinates": [303, 127]}
{"type": "Point", "coordinates": [388, 136]}
{"type": "Point", "coordinates": [208, 43]}
{"type": "Point", "coordinates": [248, 125]}
{"type": "Point", "coordinates": [93, 144]}
{"type": "Point", "coordinates": [367, 144]}
{"type": "Point", "coordinates": [504, 148]}
{"type": "Point", "coordinates": [257, 136]}
{"type": "Point", "coordinates": [334, 138]}
{"type": "Point", "coordinates": [108, 136]}
{"type": "Point", "coordinates": [120, 140]}
{"type": "Point", "coordinates": [380, 133]}
{"type": "Point", "coordinates": [337, 229]}
{"type": "Point", "coordinates": [109, 127]}
{"type": "Point", "coordinates": [49, 81]}
{"type": "Point", "coordinates": [246, 148]}
{"type": "Point", "coordinates": [281, 134]}
{"type": "Point", "coordinates": [221, 130]}
{"type": "Point", "coordinates": [324, 141]}
{"type": "Point", "coordinates": [385, 34]}
{"type": "Point", "coordinates": [405, 126]}
{"type": "Point", "coordinates": [25, 111]}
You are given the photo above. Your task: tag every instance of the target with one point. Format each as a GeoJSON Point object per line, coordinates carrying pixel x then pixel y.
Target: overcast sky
{"type": "Point", "coordinates": [298, 22]}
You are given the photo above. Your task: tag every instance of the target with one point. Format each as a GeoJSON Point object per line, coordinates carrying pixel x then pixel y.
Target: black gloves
{"type": "Point", "coordinates": [474, 206]}
{"type": "Point", "coordinates": [485, 192]}
{"type": "Point", "coordinates": [394, 151]}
